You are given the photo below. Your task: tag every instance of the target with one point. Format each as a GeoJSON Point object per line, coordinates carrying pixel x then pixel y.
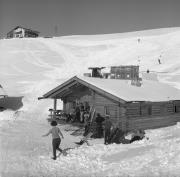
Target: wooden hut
{"type": "Point", "coordinates": [151, 105]}
{"type": "Point", "coordinates": [21, 32]}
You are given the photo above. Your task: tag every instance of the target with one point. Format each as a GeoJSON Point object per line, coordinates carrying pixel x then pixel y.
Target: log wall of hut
{"type": "Point", "coordinates": [104, 105]}
{"type": "Point", "coordinates": [152, 115]}
{"type": "Point", "coordinates": [129, 116]}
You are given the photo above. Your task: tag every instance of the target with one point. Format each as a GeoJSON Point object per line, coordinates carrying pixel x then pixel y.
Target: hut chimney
{"type": "Point", "coordinates": [96, 71]}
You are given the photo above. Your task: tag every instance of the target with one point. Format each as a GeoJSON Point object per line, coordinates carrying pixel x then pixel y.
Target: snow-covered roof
{"type": "Point", "coordinates": [149, 90]}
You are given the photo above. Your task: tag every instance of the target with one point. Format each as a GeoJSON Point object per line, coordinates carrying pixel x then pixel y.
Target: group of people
{"type": "Point", "coordinates": [118, 136]}
{"type": "Point", "coordinates": [113, 134]}
{"type": "Point", "coordinates": [104, 128]}
{"type": "Point", "coordinates": [77, 114]}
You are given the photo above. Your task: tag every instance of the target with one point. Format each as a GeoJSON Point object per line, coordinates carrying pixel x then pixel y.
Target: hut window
{"type": "Point", "coordinates": [150, 110]}
{"type": "Point", "coordinates": [140, 110]}
{"type": "Point", "coordinates": [175, 108]}
{"type": "Point", "coordinates": [106, 110]}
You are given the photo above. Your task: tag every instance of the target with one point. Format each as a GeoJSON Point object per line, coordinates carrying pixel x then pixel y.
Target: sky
{"type": "Point", "coordinates": [84, 17]}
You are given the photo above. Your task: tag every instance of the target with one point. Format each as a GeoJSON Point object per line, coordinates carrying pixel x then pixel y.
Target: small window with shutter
{"type": "Point", "coordinates": [149, 109]}
{"type": "Point", "coordinates": [106, 110]}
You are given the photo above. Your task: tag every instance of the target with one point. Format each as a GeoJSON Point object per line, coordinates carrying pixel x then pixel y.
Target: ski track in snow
{"type": "Point", "coordinates": [25, 153]}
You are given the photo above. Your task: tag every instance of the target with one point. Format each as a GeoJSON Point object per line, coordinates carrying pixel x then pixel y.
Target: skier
{"type": "Point", "coordinates": [159, 61]}
{"type": "Point", "coordinates": [56, 140]}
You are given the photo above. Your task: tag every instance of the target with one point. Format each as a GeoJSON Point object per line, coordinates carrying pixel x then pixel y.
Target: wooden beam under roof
{"type": "Point", "coordinates": [75, 81]}
{"type": "Point", "coordinates": [64, 93]}
{"type": "Point", "coordinates": [58, 91]}
{"type": "Point", "coordinates": [48, 94]}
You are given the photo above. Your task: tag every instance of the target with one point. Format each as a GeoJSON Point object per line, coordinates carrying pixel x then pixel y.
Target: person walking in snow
{"type": "Point", "coordinates": [159, 61]}
{"type": "Point", "coordinates": [56, 140]}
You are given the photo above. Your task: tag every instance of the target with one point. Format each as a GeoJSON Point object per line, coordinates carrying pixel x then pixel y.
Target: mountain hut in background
{"type": "Point", "coordinates": [21, 32]}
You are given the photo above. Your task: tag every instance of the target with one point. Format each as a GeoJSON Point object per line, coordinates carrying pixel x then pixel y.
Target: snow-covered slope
{"type": "Point", "coordinates": [25, 63]}
{"type": "Point", "coordinates": [31, 67]}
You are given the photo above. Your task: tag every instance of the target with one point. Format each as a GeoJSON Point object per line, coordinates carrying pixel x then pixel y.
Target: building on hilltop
{"type": "Point", "coordinates": [123, 72]}
{"type": "Point", "coordinates": [152, 105]}
{"type": "Point", "coordinates": [128, 72]}
{"type": "Point", "coordinates": [21, 32]}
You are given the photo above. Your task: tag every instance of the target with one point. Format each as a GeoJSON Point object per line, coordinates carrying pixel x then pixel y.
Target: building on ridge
{"type": "Point", "coordinates": [21, 32]}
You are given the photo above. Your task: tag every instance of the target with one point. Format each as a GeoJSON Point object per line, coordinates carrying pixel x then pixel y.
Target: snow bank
{"type": "Point", "coordinates": [158, 156]}
{"type": "Point", "coordinates": [154, 157]}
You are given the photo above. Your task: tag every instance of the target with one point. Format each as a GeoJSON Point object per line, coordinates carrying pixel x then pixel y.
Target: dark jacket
{"type": "Point", "coordinates": [99, 119]}
{"type": "Point", "coordinates": [107, 125]}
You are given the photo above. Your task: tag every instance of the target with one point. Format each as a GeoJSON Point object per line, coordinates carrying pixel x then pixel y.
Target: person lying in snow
{"type": "Point", "coordinates": [56, 140]}
{"type": "Point", "coordinates": [118, 136]}
{"type": "Point", "coordinates": [137, 135]}
{"type": "Point", "coordinates": [85, 139]}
